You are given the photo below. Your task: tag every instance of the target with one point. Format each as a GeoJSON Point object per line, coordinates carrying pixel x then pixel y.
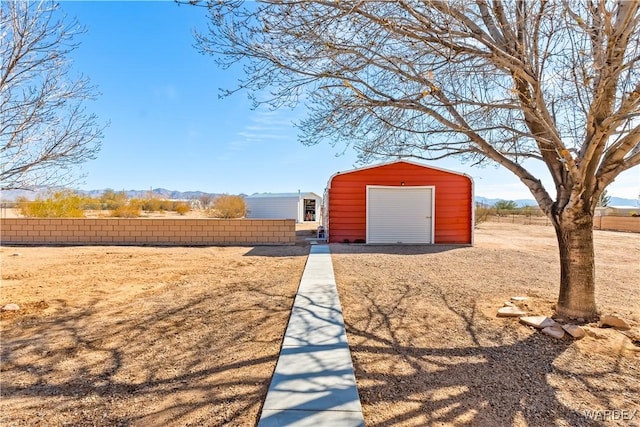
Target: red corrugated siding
{"type": "Point", "coordinates": [453, 200]}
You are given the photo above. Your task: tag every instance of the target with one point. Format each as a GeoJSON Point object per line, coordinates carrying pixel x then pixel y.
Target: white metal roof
{"type": "Point", "coordinates": [306, 195]}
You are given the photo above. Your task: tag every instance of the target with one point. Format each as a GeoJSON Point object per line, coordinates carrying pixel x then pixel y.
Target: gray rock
{"type": "Point", "coordinates": [575, 331]}
{"type": "Point", "coordinates": [555, 331]}
{"type": "Point", "coordinates": [538, 322]}
{"type": "Point", "coordinates": [11, 307]}
{"type": "Point", "coordinates": [614, 322]}
{"type": "Point", "coordinates": [510, 312]}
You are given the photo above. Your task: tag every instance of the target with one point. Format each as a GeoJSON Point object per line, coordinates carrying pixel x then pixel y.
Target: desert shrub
{"type": "Point", "coordinates": [91, 203]}
{"type": "Point", "coordinates": [228, 206]}
{"type": "Point", "coordinates": [131, 209]}
{"type": "Point", "coordinates": [483, 213]}
{"type": "Point", "coordinates": [531, 211]}
{"type": "Point", "coordinates": [504, 207]}
{"type": "Point", "coordinates": [182, 208]}
{"type": "Point", "coordinates": [110, 200]}
{"type": "Point", "coordinates": [60, 204]}
{"type": "Point", "coordinates": [151, 204]}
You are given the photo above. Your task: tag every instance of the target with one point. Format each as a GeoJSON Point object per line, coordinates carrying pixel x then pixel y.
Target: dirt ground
{"type": "Point", "coordinates": [429, 350]}
{"type": "Point", "coordinates": [120, 336]}
{"type": "Point", "coordinates": [144, 336]}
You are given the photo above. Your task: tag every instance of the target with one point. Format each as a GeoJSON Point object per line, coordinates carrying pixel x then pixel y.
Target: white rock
{"type": "Point", "coordinates": [555, 331]}
{"type": "Point", "coordinates": [519, 299]}
{"type": "Point", "coordinates": [575, 331]}
{"type": "Point", "coordinates": [11, 307]}
{"type": "Point", "coordinates": [538, 322]}
{"type": "Point", "coordinates": [614, 322]}
{"type": "Point", "coordinates": [510, 312]}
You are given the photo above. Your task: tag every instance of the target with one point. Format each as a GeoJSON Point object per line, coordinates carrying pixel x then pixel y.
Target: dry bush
{"type": "Point", "coordinates": [182, 208]}
{"type": "Point", "coordinates": [110, 200]}
{"type": "Point", "coordinates": [152, 204]}
{"type": "Point", "coordinates": [228, 206]}
{"type": "Point", "coordinates": [60, 204]}
{"type": "Point", "coordinates": [482, 213]}
{"type": "Point", "coordinates": [132, 209]}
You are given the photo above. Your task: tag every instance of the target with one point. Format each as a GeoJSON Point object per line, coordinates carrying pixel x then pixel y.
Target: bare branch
{"type": "Point", "coordinates": [44, 130]}
{"type": "Point", "coordinates": [497, 81]}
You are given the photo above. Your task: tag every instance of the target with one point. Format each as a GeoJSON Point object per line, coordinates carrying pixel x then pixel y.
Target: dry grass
{"type": "Point", "coordinates": [429, 350]}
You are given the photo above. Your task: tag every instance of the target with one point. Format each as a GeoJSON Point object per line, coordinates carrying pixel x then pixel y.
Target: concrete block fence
{"type": "Point", "coordinates": [147, 231]}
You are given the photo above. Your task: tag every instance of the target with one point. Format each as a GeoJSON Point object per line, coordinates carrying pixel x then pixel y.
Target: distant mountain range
{"type": "Point", "coordinates": [11, 195]}
{"type": "Point", "coordinates": [162, 193]}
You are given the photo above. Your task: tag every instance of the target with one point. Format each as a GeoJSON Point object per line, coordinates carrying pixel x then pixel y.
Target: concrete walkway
{"type": "Point", "coordinates": [314, 384]}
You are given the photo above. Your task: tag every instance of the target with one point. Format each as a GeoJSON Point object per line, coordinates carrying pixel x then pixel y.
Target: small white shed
{"type": "Point", "coordinates": [303, 207]}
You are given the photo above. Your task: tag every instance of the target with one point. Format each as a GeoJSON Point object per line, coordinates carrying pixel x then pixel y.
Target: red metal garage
{"type": "Point", "coordinates": [399, 202]}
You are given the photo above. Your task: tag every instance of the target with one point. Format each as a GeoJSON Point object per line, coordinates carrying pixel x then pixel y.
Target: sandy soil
{"type": "Point", "coordinates": [429, 350]}
{"type": "Point", "coordinates": [119, 336]}
{"type": "Point", "coordinates": [189, 336]}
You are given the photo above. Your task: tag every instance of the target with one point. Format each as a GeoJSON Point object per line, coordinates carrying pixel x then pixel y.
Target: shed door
{"type": "Point", "coordinates": [399, 214]}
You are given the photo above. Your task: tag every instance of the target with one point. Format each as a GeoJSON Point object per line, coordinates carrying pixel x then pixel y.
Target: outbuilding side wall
{"type": "Point", "coordinates": [453, 200]}
{"type": "Point", "coordinates": [273, 207]}
{"type": "Point", "coordinates": [146, 231]}
{"type": "Point", "coordinates": [284, 205]}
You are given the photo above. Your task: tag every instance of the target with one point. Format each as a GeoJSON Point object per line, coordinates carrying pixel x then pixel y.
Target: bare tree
{"type": "Point", "coordinates": [44, 129]}
{"type": "Point", "coordinates": [512, 83]}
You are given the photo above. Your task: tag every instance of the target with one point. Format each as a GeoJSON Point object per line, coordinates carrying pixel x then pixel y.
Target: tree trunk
{"type": "Point", "coordinates": [574, 231]}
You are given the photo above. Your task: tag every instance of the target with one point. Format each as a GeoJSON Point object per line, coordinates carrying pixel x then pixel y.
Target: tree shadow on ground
{"type": "Point", "coordinates": [278, 251]}
{"type": "Point", "coordinates": [481, 378]}
{"type": "Point", "coordinates": [203, 361]}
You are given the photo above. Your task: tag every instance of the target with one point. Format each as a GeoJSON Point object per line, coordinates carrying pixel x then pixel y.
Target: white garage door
{"type": "Point", "coordinates": [399, 214]}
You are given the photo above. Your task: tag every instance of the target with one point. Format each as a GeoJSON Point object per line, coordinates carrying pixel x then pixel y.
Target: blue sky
{"type": "Point", "coordinates": [168, 127]}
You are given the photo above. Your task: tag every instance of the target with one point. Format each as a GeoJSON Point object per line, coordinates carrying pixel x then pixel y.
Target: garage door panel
{"type": "Point", "coordinates": [399, 215]}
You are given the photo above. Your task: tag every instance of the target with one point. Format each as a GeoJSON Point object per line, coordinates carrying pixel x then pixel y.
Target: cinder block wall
{"type": "Point", "coordinates": [147, 231]}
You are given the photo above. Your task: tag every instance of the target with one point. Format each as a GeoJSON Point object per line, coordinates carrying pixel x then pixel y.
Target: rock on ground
{"type": "Point", "coordinates": [555, 331]}
{"type": "Point", "coordinates": [510, 312]}
{"type": "Point", "coordinates": [538, 322]}
{"type": "Point", "coordinates": [614, 322]}
{"type": "Point", "coordinates": [575, 331]}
